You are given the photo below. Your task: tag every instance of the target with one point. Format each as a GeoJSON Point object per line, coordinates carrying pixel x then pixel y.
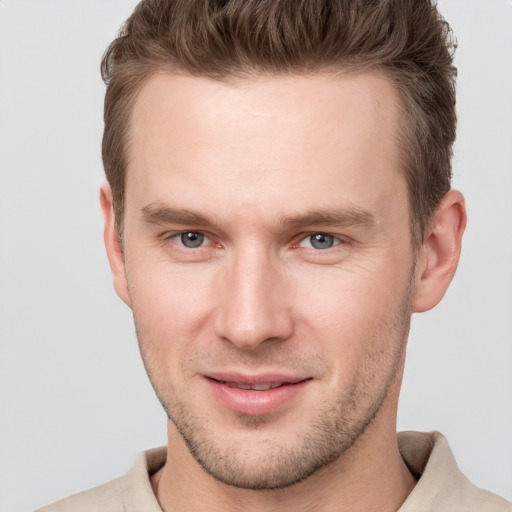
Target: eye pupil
{"type": "Point", "coordinates": [191, 239]}
{"type": "Point", "coordinates": [321, 241]}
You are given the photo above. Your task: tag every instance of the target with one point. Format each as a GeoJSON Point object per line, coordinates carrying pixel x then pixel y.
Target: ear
{"type": "Point", "coordinates": [439, 255]}
{"type": "Point", "coordinates": [113, 244]}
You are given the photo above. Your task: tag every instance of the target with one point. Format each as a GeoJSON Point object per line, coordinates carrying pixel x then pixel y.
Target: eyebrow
{"type": "Point", "coordinates": [158, 214]}
{"type": "Point", "coordinates": [326, 217]}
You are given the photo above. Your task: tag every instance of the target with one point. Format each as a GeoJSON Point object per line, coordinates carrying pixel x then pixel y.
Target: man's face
{"type": "Point", "coordinates": [269, 266]}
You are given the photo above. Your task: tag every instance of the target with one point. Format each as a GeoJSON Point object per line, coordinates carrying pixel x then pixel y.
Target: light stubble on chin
{"type": "Point", "coordinates": [332, 430]}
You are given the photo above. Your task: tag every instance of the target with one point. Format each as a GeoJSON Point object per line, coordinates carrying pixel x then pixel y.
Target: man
{"type": "Point", "coordinates": [278, 205]}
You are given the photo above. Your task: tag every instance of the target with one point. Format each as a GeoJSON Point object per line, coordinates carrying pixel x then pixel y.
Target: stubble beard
{"type": "Point", "coordinates": [330, 433]}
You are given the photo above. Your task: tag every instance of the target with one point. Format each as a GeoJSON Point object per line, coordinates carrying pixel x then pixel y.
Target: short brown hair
{"type": "Point", "coordinates": [222, 39]}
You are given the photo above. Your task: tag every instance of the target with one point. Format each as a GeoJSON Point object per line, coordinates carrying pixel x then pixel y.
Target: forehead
{"type": "Point", "coordinates": [329, 104]}
{"type": "Point", "coordinates": [264, 140]}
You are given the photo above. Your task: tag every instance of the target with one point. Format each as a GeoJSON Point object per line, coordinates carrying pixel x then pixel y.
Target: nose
{"type": "Point", "coordinates": [253, 306]}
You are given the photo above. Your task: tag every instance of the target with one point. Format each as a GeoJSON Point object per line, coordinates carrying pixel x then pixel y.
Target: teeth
{"type": "Point", "coordinates": [239, 386]}
{"type": "Point", "coordinates": [263, 387]}
{"type": "Point", "coordinates": [255, 387]}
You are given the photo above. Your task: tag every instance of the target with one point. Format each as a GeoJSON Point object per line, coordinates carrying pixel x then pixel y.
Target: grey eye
{"type": "Point", "coordinates": [321, 241]}
{"type": "Point", "coordinates": [192, 239]}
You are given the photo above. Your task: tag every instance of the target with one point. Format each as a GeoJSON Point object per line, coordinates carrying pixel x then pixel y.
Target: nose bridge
{"type": "Point", "coordinates": [253, 304]}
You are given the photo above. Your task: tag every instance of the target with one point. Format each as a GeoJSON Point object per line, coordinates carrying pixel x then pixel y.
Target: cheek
{"type": "Point", "coordinates": [170, 308]}
{"type": "Point", "coordinates": [345, 297]}
{"type": "Point", "coordinates": [168, 293]}
{"type": "Point", "coordinates": [352, 313]}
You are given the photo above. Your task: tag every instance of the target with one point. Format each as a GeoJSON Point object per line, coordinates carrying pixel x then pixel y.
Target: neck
{"type": "Point", "coordinates": [370, 476]}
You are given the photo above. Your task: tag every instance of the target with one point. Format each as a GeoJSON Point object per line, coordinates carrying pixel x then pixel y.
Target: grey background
{"type": "Point", "coordinates": [75, 404]}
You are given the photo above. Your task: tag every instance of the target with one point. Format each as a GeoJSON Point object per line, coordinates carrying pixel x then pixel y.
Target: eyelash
{"type": "Point", "coordinates": [178, 234]}
{"type": "Point", "coordinates": [337, 240]}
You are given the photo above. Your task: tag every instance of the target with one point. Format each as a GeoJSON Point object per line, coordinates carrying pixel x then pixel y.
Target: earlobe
{"type": "Point", "coordinates": [113, 244]}
{"type": "Point", "coordinates": [439, 255]}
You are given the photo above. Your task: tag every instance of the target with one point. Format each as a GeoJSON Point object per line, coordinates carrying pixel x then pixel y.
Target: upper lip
{"type": "Point", "coordinates": [250, 380]}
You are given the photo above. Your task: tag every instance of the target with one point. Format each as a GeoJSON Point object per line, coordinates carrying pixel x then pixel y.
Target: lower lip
{"type": "Point", "coordinates": [254, 403]}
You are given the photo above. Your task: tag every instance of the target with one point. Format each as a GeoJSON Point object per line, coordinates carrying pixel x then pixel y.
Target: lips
{"type": "Point", "coordinates": [254, 387]}
{"type": "Point", "coordinates": [255, 395]}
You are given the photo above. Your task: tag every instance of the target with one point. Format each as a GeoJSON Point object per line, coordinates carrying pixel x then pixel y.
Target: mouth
{"type": "Point", "coordinates": [256, 396]}
{"type": "Point", "coordinates": [264, 386]}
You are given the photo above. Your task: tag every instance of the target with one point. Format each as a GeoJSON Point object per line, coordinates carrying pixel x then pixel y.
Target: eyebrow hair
{"type": "Point", "coordinates": [159, 214]}
{"type": "Point", "coordinates": [327, 217]}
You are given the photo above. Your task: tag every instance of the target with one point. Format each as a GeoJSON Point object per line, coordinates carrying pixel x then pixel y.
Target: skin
{"type": "Point", "coordinates": [257, 167]}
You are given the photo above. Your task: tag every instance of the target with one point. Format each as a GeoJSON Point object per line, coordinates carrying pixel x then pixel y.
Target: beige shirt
{"type": "Point", "coordinates": [441, 487]}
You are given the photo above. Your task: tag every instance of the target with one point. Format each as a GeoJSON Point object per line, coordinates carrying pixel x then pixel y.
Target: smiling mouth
{"type": "Point", "coordinates": [254, 387]}
{"type": "Point", "coordinates": [257, 395]}
{"type": "Point", "coordinates": [257, 386]}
